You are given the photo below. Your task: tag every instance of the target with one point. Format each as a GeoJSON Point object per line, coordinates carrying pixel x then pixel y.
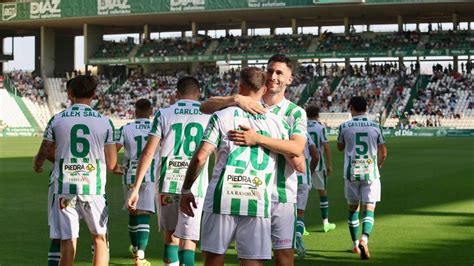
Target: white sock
{"type": "Point", "coordinates": [141, 254]}
{"type": "Point", "coordinates": [325, 221]}
{"type": "Point", "coordinates": [365, 238]}
{"type": "Point", "coordinates": [355, 243]}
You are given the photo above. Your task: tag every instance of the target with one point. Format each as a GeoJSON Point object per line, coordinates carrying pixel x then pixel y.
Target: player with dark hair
{"type": "Point", "coordinates": [84, 149]}
{"type": "Point", "coordinates": [364, 154]}
{"type": "Point", "coordinates": [133, 137]}
{"type": "Point", "coordinates": [179, 129]}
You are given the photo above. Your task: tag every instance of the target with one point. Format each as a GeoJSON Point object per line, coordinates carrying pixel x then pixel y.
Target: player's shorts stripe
{"type": "Point", "coordinates": [152, 171]}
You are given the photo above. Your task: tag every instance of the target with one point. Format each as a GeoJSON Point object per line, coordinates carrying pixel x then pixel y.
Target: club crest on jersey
{"type": "Point", "coordinates": [66, 203]}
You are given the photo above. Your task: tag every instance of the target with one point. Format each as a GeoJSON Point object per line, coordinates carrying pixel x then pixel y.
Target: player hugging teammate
{"type": "Point", "coordinates": [267, 155]}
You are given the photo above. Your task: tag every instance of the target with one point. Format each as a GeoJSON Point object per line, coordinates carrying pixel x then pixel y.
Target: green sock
{"type": "Point", "coordinates": [324, 205]}
{"type": "Point", "coordinates": [186, 257]}
{"type": "Point", "coordinates": [132, 229]}
{"type": "Point", "coordinates": [170, 254]}
{"type": "Point", "coordinates": [368, 222]}
{"type": "Point", "coordinates": [353, 223]}
{"type": "Point", "coordinates": [143, 231]}
{"type": "Point", "coordinates": [54, 253]}
{"type": "Point", "coordinates": [299, 226]}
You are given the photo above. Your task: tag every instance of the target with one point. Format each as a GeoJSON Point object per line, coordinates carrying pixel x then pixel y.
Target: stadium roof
{"type": "Point", "coordinates": [321, 15]}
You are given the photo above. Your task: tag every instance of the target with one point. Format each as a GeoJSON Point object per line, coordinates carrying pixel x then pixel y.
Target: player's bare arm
{"type": "Point", "coordinates": [194, 169]}
{"type": "Point", "coordinates": [110, 156]}
{"type": "Point", "coordinates": [293, 147]}
{"type": "Point", "coordinates": [43, 153]}
{"type": "Point", "coordinates": [381, 154]}
{"type": "Point", "coordinates": [327, 154]}
{"type": "Point", "coordinates": [143, 165]}
{"type": "Point", "coordinates": [313, 151]}
{"type": "Point", "coordinates": [52, 154]}
{"type": "Point", "coordinates": [217, 103]}
{"type": "Point", "coordinates": [297, 162]}
{"type": "Point", "coordinates": [119, 169]}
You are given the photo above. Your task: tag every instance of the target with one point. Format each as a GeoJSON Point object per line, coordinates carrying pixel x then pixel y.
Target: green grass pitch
{"type": "Point", "coordinates": [426, 216]}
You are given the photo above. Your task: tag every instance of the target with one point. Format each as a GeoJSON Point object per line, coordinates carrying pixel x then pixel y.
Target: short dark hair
{"type": "Point", "coordinates": [252, 77]}
{"type": "Point", "coordinates": [312, 111]}
{"type": "Point", "coordinates": [281, 58]}
{"type": "Point", "coordinates": [358, 103]}
{"type": "Point", "coordinates": [143, 105]}
{"type": "Point", "coordinates": [82, 86]}
{"type": "Point", "coordinates": [188, 85]}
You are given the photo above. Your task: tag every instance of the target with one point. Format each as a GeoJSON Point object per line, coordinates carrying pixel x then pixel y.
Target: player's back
{"type": "Point", "coordinates": [80, 135]}
{"type": "Point", "coordinates": [133, 137]}
{"type": "Point", "coordinates": [180, 127]}
{"type": "Point", "coordinates": [242, 179]}
{"type": "Point", "coordinates": [361, 138]}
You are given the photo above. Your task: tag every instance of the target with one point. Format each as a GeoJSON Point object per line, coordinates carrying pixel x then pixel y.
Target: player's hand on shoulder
{"type": "Point", "coordinates": [187, 203]}
{"type": "Point", "coordinates": [249, 104]}
{"type": "Point", "coordinates": [246, 136]}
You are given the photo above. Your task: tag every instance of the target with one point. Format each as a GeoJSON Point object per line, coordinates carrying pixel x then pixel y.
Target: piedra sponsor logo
{"type": "Point", "coordinates": [79, 168]}
{"type": "Point", "coordinates": [244, 180]}
{"type": "Point", "coordinates": [45, 9]}
{"type": "Point", "coordinates": [9, 11]}
{"type": "Point", "coordinates": [187, 5]}
{"type": "Point", "coordinates": [113, 7]}
{"type": "Point", "coordinates": [178, 164]}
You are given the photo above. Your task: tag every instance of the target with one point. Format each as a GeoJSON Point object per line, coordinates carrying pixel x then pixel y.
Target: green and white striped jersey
{"type": "Point", "coordinates": [361, 138]}
{"type": "Point", "coordinates": [133, 137]}
{"type": "Point", "coordinates": [305, 178]}
{"type": "Point", "coordinates": [80, 135]}
{"type": "Point", "coordinates": [317, 131]}
{"type": "Point", "coordinates": [180, 127]}
{"type": "Point", "coordinates": [286, 181]}
{"type": "Point", "coordinates": [242, 179]}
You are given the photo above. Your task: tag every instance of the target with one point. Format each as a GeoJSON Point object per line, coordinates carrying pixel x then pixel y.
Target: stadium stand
{"type": "Point", "coordinates": [113, 49]}
{"type": "Point", "coordinates": [10, 112]}
{"type": "Point", "coordinates": [174, 46]}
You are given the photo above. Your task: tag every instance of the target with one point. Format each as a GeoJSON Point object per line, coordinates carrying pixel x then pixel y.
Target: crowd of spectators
{"type": "Point", "coordinates": [29, 85]}
{"type": "Point", "coordinates": [263, 44]}
{"type": "Point", "coordinates": [174, 46]}
{"type": "Point", "coordinates": [442, 95]}
{"type": "Point", "coordinates": [113, 49]}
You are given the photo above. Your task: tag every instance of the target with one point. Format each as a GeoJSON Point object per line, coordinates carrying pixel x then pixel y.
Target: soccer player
{"type": "Point", "coordinates": [85, 149]}
{"type": "Point", "coordinates": [304, 184]}
{"type": "Point", "coordinates": [317, 131]}
{"type": "Point", "coordinates": [179, 128]}
{"type": "Point", "coordinates": [133, 137]}
{"type": "Point", "coordinates": [278, 77]}
{"type": "Point", "coordinates": [238, 200]}
{"type": "Point", "coordinates": [364, 154]}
